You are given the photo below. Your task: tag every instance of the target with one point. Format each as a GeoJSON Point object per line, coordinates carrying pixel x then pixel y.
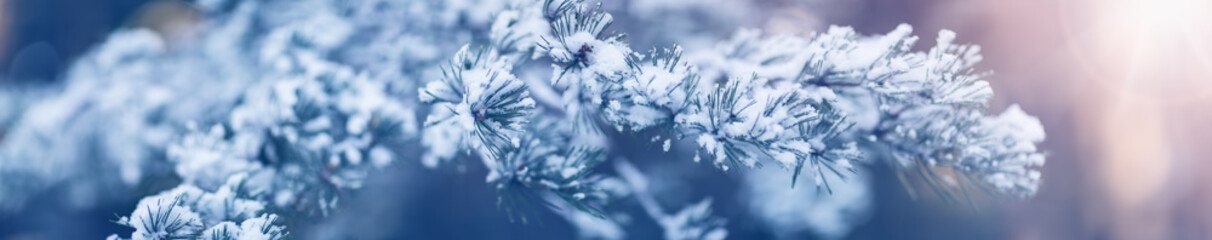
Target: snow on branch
{"type": "Point", "coordinates": [187, 212]}
{"type": "Point", "coordinates": [923, 109]}
{"type": "Point", "coordinates": [743, 121]}
{"type": "Point", "coordinates": [548, 164]}
{"type": "Point", "coordinates": [308, 133]}
{"type": "Point", "coordinates": [663, 86]}
{"type": "Point", "coordinates": [282, 108]}
{"type": "Point", "coordinates": [478, 104]}
{"type": "Point", "coordinates": [799, 103]}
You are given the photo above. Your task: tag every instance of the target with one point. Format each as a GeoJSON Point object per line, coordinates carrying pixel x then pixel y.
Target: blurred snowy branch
{"type": "Point", "coordinates": [282, 108]}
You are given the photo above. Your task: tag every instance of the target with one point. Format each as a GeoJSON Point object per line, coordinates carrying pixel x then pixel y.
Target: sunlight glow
{"type": "Point", "coordinates": [1154, 48]}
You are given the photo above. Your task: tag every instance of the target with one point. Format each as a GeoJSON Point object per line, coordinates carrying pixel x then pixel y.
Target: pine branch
{"type": "Point", "coordinates": [931, 102]}
{"type": "Point", "coordinates": [481, 101]}
{"type": "Point", "coordinates": [187, 212]}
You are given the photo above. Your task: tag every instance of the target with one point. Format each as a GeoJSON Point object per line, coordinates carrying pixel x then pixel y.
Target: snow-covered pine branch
{"type": "Point", "coordinates": [299, 101]}
{"type": "Point", "coordinates": [662, 87]}
{"type": "Point", "coordinates": [800, 103]}
{"type": "Point", "coordinates": [118, 108]}
{"type": "Point", "coordinates": [188, 212]}
{"type": "Point", "coordinates": [478, 104]}
{"type": "Point", "coordinates": [925, 108]}
{"type": "Point", "coordinates": [602, 80]}
{"type": "Point", "coordinates": [306, 136]}
{"type": "Point", "coordinates": [547, 163]}
{"type": "Point", "coordinates": [748, 119]}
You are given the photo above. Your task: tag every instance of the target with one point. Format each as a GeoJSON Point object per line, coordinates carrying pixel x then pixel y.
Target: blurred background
{"type": "Point", "coordinates": [1123, 87]}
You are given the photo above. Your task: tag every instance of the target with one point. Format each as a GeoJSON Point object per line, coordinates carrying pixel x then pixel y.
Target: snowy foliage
{"type": "Point", "coordinates": [897, 98]}
{"type": "Point", "coordinates": [785, 100]}
{"type": "Point", "coordinates": [310, 130]}
{"type": "Point", "coordinates": [187, 212]}
{"type": "Point", "coordinates": [743, 121]}
{"type": "Point", "coordinates": [662, 87]}
{"type": "Point", "coordinates": [478, 103]}
{"type": "Point", "coordinates": [121, 104]}
{"type": "Point", "coordinates": [282, 108]}
{"type": "Point", "coordinates": [547, 162]}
